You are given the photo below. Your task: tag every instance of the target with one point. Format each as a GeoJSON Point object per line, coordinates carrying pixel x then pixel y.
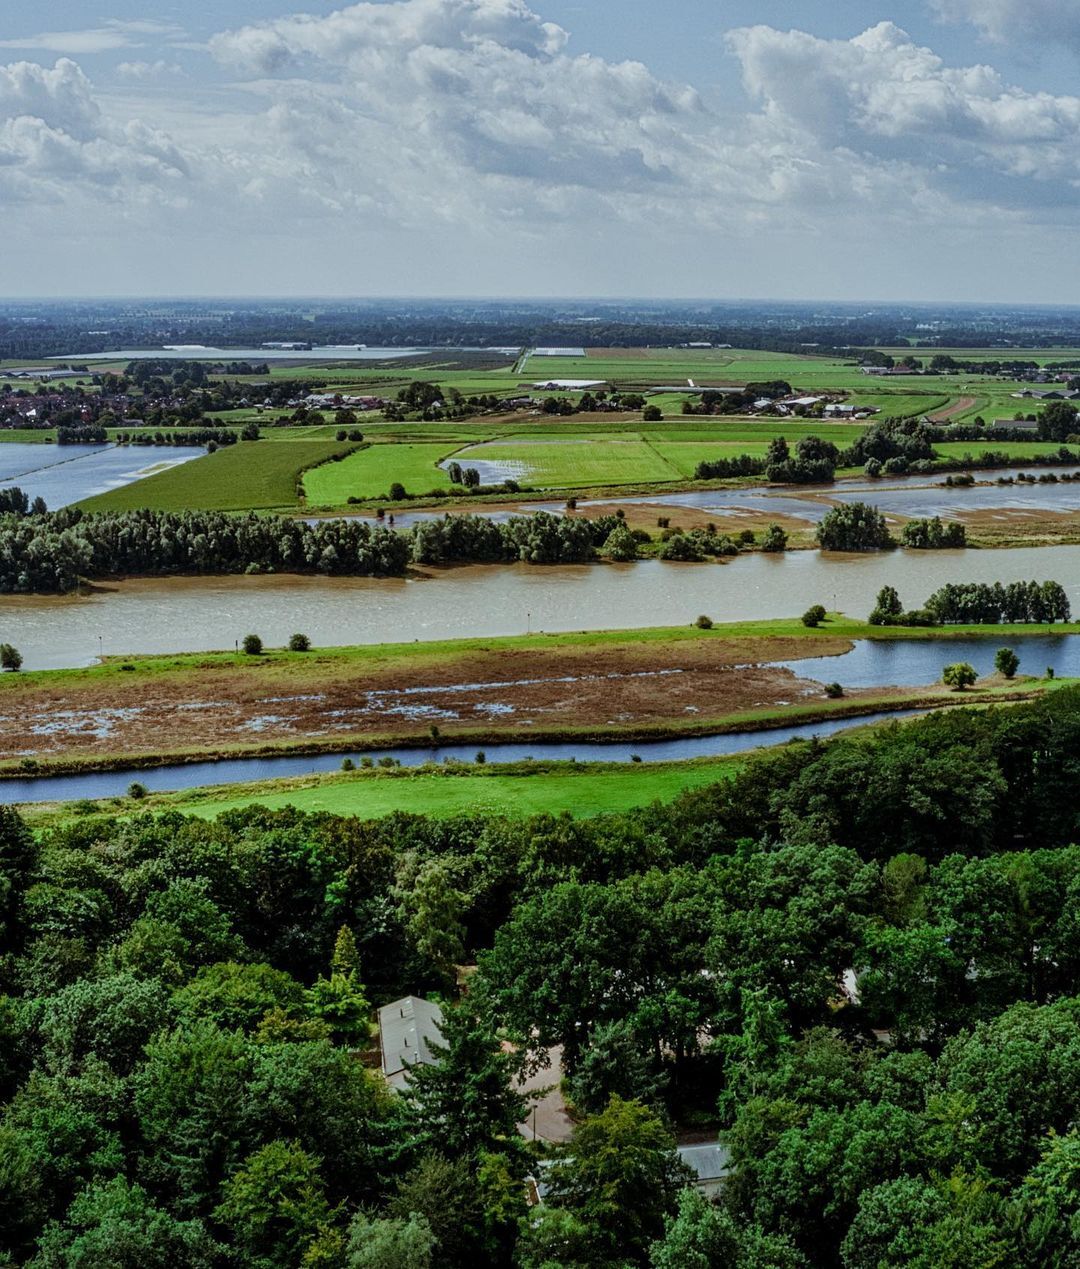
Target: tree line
{"type": "Point", "coordinates": [856, 960]}
{"type": "Point", "coordinates": [977, 604]}
{"type": "Point", "coordinates": [51, 552]}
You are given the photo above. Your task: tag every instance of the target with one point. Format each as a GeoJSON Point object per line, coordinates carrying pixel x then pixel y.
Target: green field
{"type": "Point", "coordinates": [247, 476]}
{"type": "Point", "coordinates": [369, 473]}
{"type": "Point", "coordinates": [580, 789]}
{"type": "Point", "coordinates": [26, 435]}
{"type": "Point", "coordinates": [577, 462]}
{"type": "Point", "coordinates": [1017, 449]}
{"type": "Point", "coordinates": [600, 451]}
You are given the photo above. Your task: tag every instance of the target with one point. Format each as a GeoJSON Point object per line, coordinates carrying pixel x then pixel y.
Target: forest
{"type": "Point", "coordinates": [854, 961]}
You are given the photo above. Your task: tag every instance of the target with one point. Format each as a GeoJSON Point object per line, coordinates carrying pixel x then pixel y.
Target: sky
{"type": "Point", "coordinates": [807, 149]}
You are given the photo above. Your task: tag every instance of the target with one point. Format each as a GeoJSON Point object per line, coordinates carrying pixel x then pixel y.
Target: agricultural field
{"type": "Point", "coordinates": [246, 476]}
{"type": "Point", "coordinates": [369, 473]}
{"type": "Point", "coordinates": [549, 452]}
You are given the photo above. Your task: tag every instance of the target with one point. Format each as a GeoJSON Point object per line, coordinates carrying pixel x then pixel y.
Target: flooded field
{"type": "Point", "coordinates": [65, 474]}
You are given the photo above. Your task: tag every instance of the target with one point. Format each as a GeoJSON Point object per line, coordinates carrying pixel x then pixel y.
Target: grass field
{"type": "Point", "coordinates": [578, 462]}
{"type": "Point", "coordinates": [247, 476]}
{"type": "Point", "coordinates": [26, 435]}
{"type": "Point", "coordinates": [580, 789]}
{"type": "Point", "coordinates": [1017, 449]}
{"type": "Point", "coordinates": [369, 473]}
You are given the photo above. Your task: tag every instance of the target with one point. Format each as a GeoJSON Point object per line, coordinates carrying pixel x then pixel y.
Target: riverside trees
{"type": "Point", "coordinates": [181, 1012]}
{"type": "Point", "coordinates": [52, 552]}
{"type": "Point", "coordinates": [854, 526]}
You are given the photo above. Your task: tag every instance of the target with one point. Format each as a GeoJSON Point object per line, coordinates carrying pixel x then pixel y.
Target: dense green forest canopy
{"type": "Point", "coordinates": [856, 960]}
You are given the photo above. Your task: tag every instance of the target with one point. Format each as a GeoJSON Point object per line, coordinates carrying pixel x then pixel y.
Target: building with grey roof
{"type": "Point", "coordinates": [407, 1029]}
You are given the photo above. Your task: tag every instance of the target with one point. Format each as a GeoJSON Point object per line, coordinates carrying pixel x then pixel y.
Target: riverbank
{"type": "Point", "coordinates": [591, 687]}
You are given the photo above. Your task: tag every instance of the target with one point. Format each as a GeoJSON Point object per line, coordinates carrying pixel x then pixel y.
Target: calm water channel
{"type": "Point", "coordinates": [201, 614]}
{"type": "Point", "coordinates": [241, 770]}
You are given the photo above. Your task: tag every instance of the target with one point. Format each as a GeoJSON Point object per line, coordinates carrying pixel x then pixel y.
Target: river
{"type": "Point", "coordinates": [202, 614]}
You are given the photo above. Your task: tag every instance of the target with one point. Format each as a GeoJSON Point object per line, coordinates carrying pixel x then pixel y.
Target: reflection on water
{"type": "Point", "coordinates": [200, 614]}
{"type": "Point", "coordinates": [240, 770]}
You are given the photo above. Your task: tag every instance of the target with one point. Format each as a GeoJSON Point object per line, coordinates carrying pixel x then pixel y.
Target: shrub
{"type": "Point", "coordinates": [1006, 662]}
{"type": "Point", "coordinates": [347, 764]}
{"type": "Point", "coordinates": [252, 645]}
{"type": "Point", "coordinates": [299, 643]}
{"type": "Point", "coordinates": [397, 492]}
{"type": "Point", "coordinates": [703, 622]}
{"type": "Point", "coordinates": [775, 539]}
{"type": "Point", "coordinates": [834, 691]}
{"type": "Point", "coordinates": [136, 790]}
{"type": "Point", "coordinates": [814, 615]}
{"type": "Point", "coordinates": [10, 657]}
{"type": "Point", "coordinates": [959, 675]}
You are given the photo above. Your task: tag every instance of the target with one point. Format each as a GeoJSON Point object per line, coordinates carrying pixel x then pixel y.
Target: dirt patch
{"type": "Point", "coordinates": [223, 705]}
{"type": "Point", "coordinates": [965, 403]}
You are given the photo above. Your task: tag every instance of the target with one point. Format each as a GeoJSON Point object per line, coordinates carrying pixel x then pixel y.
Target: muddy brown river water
{"type": "Point", "coordinates": [202, 614]}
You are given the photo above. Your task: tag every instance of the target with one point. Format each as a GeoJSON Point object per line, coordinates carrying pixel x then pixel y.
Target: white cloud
{"type": "Point", "coordinates": [57, 146]}
{"type": "Point", "coordinates": [472, 111]}
{"type": "Point", "coordinates": [884, 96]}
{"type": "Point", "coordinates": [1028, 20]}
{"type": "Point", "coordinates": [112, 35]}
{"type": "Point", "coordinates": [143, 71]}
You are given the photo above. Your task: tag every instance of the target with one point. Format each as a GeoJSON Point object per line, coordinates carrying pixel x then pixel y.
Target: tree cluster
{"type": "Point", "coordinates": [856, 959]}
{"type": "Point", "coordinates": [978, 604]}
{"type": "Point", "coordinates": [854, 526]}
{"type": "Point", "coordinates": [933, 534]}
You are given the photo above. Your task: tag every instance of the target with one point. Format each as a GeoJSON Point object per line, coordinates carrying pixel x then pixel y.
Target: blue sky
{"type": "Point", "coordinates": [921, 149]}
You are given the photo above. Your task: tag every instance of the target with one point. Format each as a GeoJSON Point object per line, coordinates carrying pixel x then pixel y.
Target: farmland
{"type": "Point", "coordinates": [369, 473]}
{"type": "Point", "coordinates": [600, 451]}
{"type": "Point", "coordinates": [246, 476]}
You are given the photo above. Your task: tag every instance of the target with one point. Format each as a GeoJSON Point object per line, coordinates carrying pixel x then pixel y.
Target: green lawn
{"type": "Point", "coordinates": [369, 473]}
{"type": "Point", "coordinates": [584, 789]}
{"type": "Point", "coordinates": [684, 456]}
{"type": "Point", "coordinates": [245, 476]}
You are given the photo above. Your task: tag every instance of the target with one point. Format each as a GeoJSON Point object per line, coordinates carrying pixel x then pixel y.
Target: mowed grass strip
{"type": "Point", "coordinates": [369, 473]}
{"type": "Point", "coordinates": [250, 475]}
